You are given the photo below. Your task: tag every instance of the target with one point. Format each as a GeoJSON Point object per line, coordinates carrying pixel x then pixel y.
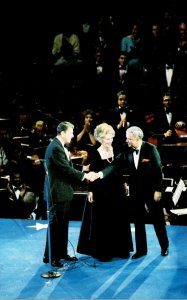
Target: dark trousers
{"type": "Point", "coordinates": [57, 233]}
{"type": "Point", "coordinates": [155, 211]}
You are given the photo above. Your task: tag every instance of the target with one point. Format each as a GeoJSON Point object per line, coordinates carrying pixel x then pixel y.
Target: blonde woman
{"type": "Point", "coordinates": [105, 232]}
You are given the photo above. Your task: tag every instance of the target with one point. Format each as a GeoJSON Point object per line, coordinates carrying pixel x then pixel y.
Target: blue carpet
{"type": "Point", "coordinates": [150, 277]}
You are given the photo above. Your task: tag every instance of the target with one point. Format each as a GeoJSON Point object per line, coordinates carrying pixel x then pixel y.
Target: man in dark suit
{"type": "Point", "coordinates": [121, 117]}
{"type": "Point", "coordinates": [143, 164]}
{"type": "Point", "coordinates": [167, 120]}
{"type": "Point", "coordinates": [141, 161]}
{"type": "Point", "coordinates": [58, 190]}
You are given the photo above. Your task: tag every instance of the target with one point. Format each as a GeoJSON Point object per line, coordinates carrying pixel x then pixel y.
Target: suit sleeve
{"type": "Point", "coordinates": [64, 166]}
{"type": "Point", "coordinates": [118, 165]}
{"type": "Point", "coordinates": [157, 165]}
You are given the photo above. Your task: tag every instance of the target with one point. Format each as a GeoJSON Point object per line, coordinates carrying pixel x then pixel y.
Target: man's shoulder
{"type": "Point", "coordinates": [150, 148]}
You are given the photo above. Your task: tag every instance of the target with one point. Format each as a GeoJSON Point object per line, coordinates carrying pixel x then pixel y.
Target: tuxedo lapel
{"type": "Point", "coordinates": [131, 159]}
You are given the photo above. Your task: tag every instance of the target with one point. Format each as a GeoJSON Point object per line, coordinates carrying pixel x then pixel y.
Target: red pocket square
{"type": "Point", "coordinates": [145, 160]}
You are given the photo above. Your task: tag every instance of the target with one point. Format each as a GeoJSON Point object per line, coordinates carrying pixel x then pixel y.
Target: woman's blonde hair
{"type": "Point", "coordinates": [102, 130]}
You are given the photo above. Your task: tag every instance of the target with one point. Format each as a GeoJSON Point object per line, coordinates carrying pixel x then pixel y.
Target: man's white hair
{"type": "Point", "coordinates": [136, 131]}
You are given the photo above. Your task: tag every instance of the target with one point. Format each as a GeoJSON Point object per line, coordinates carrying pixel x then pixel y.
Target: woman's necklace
{"type": "Point", "coordinates": [106, 154]}
{"type": "Point", "coordinates": [110, 159]}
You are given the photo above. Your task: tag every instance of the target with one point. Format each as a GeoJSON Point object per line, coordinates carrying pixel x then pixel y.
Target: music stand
{"type": "Point", "coordinates": [178, 191]}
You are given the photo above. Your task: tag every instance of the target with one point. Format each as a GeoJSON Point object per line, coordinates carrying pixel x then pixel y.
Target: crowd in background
{"type": "Point", "coordinates": [90, 70]}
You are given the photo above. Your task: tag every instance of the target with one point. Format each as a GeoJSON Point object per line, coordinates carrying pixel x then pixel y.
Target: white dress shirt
{"type": "Point", "coordinates": [169, 74]}
{"type": "Point", "coordinates": [67, 152]}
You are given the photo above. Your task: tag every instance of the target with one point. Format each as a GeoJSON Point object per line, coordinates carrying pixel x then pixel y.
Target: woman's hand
{"type": "Point", "coordinates": [157, 196]}
{"type": "Point", "coordinates": [90, 197]}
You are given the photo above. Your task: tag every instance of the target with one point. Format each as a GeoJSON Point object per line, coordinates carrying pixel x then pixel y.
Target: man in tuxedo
{"type": "Point", "coordinates": [167, 119]}
{"type": "Point", "coordinates": [21, 201]}
{"type": "Point", "coordinates": [58, 191]}
{"type": "Point", "coordinates": [170, 74]}
{"type": "Point", "coordinates": [143, 164]}
{"type": "Point", "coordinates": [141, 161]}
{"type": "Point", "coordinates": [121, 117]}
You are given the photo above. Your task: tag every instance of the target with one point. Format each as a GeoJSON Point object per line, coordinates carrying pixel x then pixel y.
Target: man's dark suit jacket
{"type": "Point", "coordinates": [148, 176]}
{"type": "Point", "coordinates": [60, 175]}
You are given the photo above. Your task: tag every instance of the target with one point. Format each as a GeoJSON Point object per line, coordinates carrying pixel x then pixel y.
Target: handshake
{"type": "Point", "coordinates": [92, 176]}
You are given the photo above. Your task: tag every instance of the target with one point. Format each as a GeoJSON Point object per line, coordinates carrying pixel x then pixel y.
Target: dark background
{"type": "Point", "coordinates": [27, 31]}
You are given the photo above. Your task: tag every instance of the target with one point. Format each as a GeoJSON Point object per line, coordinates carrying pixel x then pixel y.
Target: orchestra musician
{"type": "Point", "coordinates": [167, 123]}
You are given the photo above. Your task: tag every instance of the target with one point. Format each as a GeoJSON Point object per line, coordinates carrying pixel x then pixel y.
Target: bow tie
{"type": "Point", "coordinates": [121, 109]}
{"type": "Point", "coordinates": [123, 68]}
{"type": "Point", "coordinates": [136, 151]}
{"type": "Point", "coordinates": [17, 188]}
{"type": "Point", "coordinates": [169, 67]}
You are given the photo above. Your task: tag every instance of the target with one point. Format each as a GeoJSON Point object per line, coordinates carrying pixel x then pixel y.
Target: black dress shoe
{"type": "Point", "coordinates": [138, 255]}
{"type": "Point", "coordinates": [165, 252]}
{"type": "Point", "coordinates": [57, 264]}
{"type": "Point", "coordinates": [70, 258]}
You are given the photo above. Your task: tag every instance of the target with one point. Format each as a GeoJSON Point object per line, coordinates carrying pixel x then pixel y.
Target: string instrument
{"type": "Point", "coordinates": [180, 135]}
{"type": "Point", "coordinates": [78, 154]}
{"type": "Point", "coordinates": [155, 140]}
{"type": "Point", "coordinates": [35, 159]}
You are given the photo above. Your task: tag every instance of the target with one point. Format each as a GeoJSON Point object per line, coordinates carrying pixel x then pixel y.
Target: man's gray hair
{"type": "Point", "coordinates": [136, 131]}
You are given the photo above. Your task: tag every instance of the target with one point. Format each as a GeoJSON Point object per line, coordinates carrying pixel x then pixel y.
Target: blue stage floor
{"type": "Point", "coordinates": [151, 277]}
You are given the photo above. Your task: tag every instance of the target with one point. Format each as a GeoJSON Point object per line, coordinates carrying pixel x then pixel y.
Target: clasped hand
{"type": "Point", "coordinates": [92, 176]}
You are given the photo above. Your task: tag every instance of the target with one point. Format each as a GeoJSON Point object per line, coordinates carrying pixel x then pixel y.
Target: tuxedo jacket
{"type": "Point", "coordinates": [160, 124]}
{"type": "Point", "coordinates": [177, 80]}
{"type": "Point", "coordinates": [114, 118]}
{"type": "Point", "coordinates": [147, 178]}
{"type": "Point", "coordinates": [60, 174]}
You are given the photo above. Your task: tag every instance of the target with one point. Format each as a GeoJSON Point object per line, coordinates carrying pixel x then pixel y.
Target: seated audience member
{"type": "Point", "coordinates": [71, 41]}
{"type": "Point", "coordinates": [33, 172]}
{"type": "Point", "coordinates": [133, 45]}
{"type": "Point", "coordinates": [18, 157]}
{"type": "Point", "coordinates": [66, 62]}
{"type": "Point", "coordinates": [20, 201]}
{"type": "Point", "coordinates": [119, 72]}
{"type": "Point", "coordinates": [3, 157]}
{"type": "Point", "coordinates": [85, 132]}
{"type": "Point", "coordinates": [38, 138]}
{"type": "Point", "coordinates": [170, 74]}
{"type": "Point", "coordinates": [166, 121]}
{"type": "Point", "coordinates": [22, 125]}
{"type": "Point", "coordinates": [96, 78]}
